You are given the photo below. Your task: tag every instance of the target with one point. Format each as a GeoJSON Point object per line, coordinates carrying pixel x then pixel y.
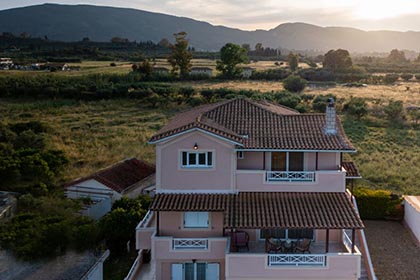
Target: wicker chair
{"type": "Point", "coordinates": [273, 247]}
{"type": "Point", "coordinates": [239, 239]}
{"type": "Point", "coordinates": [303, 246]}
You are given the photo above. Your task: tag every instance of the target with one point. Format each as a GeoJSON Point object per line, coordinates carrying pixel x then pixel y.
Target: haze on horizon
{"type": "Point", "coordinates": [403, 15]}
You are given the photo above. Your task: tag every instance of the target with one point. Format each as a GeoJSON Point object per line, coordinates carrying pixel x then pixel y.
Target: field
{"type": "Point", "coordinates": [96, 134]}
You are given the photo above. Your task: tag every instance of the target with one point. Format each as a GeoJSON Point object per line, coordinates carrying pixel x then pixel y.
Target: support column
{"type": "Point", "coordinates": [157, 223]}
{"type": "Point", "coordinates": [327, 241]}
{"type": "Point", "coordinates": [353, 238]}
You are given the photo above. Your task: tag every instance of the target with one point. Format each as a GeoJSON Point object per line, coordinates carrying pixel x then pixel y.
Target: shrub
{"type": "Point", "coordinates": [390, 78]}
{"type": "Point", "coordinates": [417, 77]}
{"type": "Point", "coordinates": [394, 110]}
{"type": "Point", "coordinates": [356, 106]}
{"type": "Point", "coordinates": [294, 83]}
{"type": "Point", "coordinates": [406, 76]}
{"type": "Point", "coordinates": [320, 102]}
{"type": "Point", "coordinates": [377, 204]}
{"type": "Point", "coordinates": [287, 99]}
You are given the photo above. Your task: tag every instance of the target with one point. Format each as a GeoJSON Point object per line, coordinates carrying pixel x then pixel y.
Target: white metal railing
{"type": "Point", "coordinates": [189, 243]}
{"type": "Point", "coordinates": [145, 220]}
{"type": "Point", "coordinates": [297, 260]}
{"type": "Point", "coordinates": [290, 176]}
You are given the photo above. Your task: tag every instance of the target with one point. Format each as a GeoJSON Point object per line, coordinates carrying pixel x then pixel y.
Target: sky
{"type": "Point", "coordinates": [402, 15]}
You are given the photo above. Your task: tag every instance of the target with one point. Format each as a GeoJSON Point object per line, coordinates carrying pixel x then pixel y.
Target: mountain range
{"type": "Point", "coordinates": [74, 22]}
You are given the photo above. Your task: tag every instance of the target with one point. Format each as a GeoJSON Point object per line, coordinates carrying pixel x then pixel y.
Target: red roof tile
{"type": "Point", "coordinates": [269, 209]}
{"type": "Point", "coordinates": [259, 125]}
{"type": "Point", "coordinates": [120, 176]}
{"type": "Point", "coordinates": [351, 170]}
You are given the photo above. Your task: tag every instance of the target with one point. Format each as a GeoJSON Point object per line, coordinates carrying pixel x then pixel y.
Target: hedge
{"type": "Point", "coordinates": [378, 204]}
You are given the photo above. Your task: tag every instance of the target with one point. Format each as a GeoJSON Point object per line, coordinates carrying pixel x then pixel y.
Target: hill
{"type": "Point", "coordinates": [73, 22]}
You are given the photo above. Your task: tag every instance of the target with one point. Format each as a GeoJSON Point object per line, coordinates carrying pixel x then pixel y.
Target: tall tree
{"type": "Point", "coordinates": [337, 60]}
{"type": "Point", "coordinates": [180, 58]}
{"type": "Point", "coordinates": [293, 60]}
{"type": "Point", "coordinates": [230, 56]}
{"type": "Point", "coordinates": [397, 56]}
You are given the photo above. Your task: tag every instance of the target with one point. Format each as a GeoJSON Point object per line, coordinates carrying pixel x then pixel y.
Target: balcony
{"type": "Point", "coordinates": [291, 181]}
{"type": "Point", "coordinates": [338, 263]}
{"type": "Point", "coordinates": [190, 243]}
{"type": "Point", "coordinates": [290, 176]}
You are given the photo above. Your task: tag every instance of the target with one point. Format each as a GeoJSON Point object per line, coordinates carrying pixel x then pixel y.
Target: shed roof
{"type": "Point", "coordinates": [351, 170]}
{"type": "Point", "coordinates": [120, 176]}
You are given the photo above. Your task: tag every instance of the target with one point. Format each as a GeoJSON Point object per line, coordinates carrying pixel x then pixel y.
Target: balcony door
{"type": "Point", "coordinates": [287, 161]}
{"type": "Point", "coordinates": [195, 271]}
{"type": "Point", "coordinates": [279, 161]}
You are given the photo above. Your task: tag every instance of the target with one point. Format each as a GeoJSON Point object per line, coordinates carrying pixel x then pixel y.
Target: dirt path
{"type": "Point", "coordinates": [394, 253]}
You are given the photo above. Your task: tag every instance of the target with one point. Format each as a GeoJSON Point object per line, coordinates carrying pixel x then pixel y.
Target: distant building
{"type": "Point", "coordinates": [161, 70]}
{"type": "Point", "coordinates": [8, 205]}
{"type": "Point", "coordinates": [247, 72]}
{"type": "Point", "coordinates": [5, 63]}
{"type": "Point", "coordinates": [130, 177]}
{"type": "Point", "coordinates": [202, 71]}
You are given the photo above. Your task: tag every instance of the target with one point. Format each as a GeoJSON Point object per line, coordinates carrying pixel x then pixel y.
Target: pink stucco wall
{"type": "Point", "coordinates": [252, 161]}
{"type": "Point", "coordinates": [171, 176]}
{"type": "Point", "coordinates": [325, 181]}
{"type": "Point", "coordinates": [328, 161]}
{"type": "Point", "coordinates": [171, 224]}
{"type": "Point", "coordinates": [255, 266]}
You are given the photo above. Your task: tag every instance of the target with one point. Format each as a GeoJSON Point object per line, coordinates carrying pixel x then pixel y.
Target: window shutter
{"type": "Point", "coordinates": [177, 271]}
{"type": "Point", "coordinates": [209, 158]}
{"type": "Point", "coordinates": [212, 271]}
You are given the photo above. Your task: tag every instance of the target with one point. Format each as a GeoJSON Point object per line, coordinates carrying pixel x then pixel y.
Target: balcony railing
{"type": "Point", "coordinates": [297, 260]}
{"type": "Point", "coordinates": [189, 243]}
{"type": "Point", "coordinates": [290, 176]}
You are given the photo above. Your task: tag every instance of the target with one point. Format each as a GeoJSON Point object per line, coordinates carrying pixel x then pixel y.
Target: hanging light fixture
{"type": "Point", "coordinates": [195, 146]}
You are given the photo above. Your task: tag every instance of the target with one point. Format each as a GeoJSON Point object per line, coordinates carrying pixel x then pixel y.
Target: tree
{"type": "Point", "coordinates": [294, 83]}
{"type": "Point", "coordinates": [180, 58]}
{"type": "Point", "coordinates": [391, 78]}
{"type": "Point", "coordinates": [145, 68]}
{"type": "Point", "coordinates": [230, 56]}
{"type": "Point", "coordinates": [259, 49]}
{"type": "Point", "coordinates": [164, 43]}
{"type": "Point", "coordinates": [247, 47]}
{"type": "Point", "coordinates": [406, 76]}
{"type": "Point", "coordinates": [397, 56]}
{"type": "Point", "coordinates": [337, 60]}
{"type": "Point", "coordinates": [293, 60]}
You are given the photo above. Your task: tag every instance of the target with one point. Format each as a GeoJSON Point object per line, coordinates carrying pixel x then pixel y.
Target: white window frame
{"type": "Point", "coordinates": [197, 164]}
{"type": "Point", "coordinates": [205, 223]}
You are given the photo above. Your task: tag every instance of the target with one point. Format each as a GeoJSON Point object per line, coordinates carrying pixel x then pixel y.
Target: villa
{"type": "Point", "coordinates": [251, 190]}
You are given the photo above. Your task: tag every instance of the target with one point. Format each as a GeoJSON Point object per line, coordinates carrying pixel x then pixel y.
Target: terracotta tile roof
{"type": "Point", "coordinates": [293, 210]}
{"type": "Point", "coordinates": [120, 176]}
{"type": "Point", "coordinates": [191, 202]}
{"type": "Point", "coordinates": [269, 209]}
{"type": "Point", "coordinates": [259, 125]}
{"type": "Point", "coordinates": [351, 169]}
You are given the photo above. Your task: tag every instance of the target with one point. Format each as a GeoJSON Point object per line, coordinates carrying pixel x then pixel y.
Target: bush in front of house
{"type": "Point", "coordinates": [378, 204]}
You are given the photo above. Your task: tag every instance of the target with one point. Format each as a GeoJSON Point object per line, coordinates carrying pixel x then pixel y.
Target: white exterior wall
{"type": "Point", "coordinates": [412, 214]}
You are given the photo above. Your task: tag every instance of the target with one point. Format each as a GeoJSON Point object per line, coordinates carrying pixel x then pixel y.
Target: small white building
{"type": "Point", "coordinates": [247, 72]}
{"type": "Point", "coordinates": [129, 178]}
{"type": "Point", "coordinates": [412, 214]}
{"type": "Point", "coordinates": [6, 63]}
{"type": "Point", "coordinates": [201, 71]}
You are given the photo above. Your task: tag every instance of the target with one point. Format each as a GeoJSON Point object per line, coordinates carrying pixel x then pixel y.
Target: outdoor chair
{"type": "Point", "coordinates": [303, 246]}
{"type": "Point", "coordinates": [240, 239]}
{"type": "Point", "coordinates": [271, 245]}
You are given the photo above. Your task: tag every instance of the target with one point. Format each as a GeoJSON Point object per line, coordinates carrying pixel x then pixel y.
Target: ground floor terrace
{"type": "Point", "coordinates": [260, 236]}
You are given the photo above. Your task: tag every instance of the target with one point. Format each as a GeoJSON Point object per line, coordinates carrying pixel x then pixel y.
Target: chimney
{"type": "Point", "coordinates": [330, 118]}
